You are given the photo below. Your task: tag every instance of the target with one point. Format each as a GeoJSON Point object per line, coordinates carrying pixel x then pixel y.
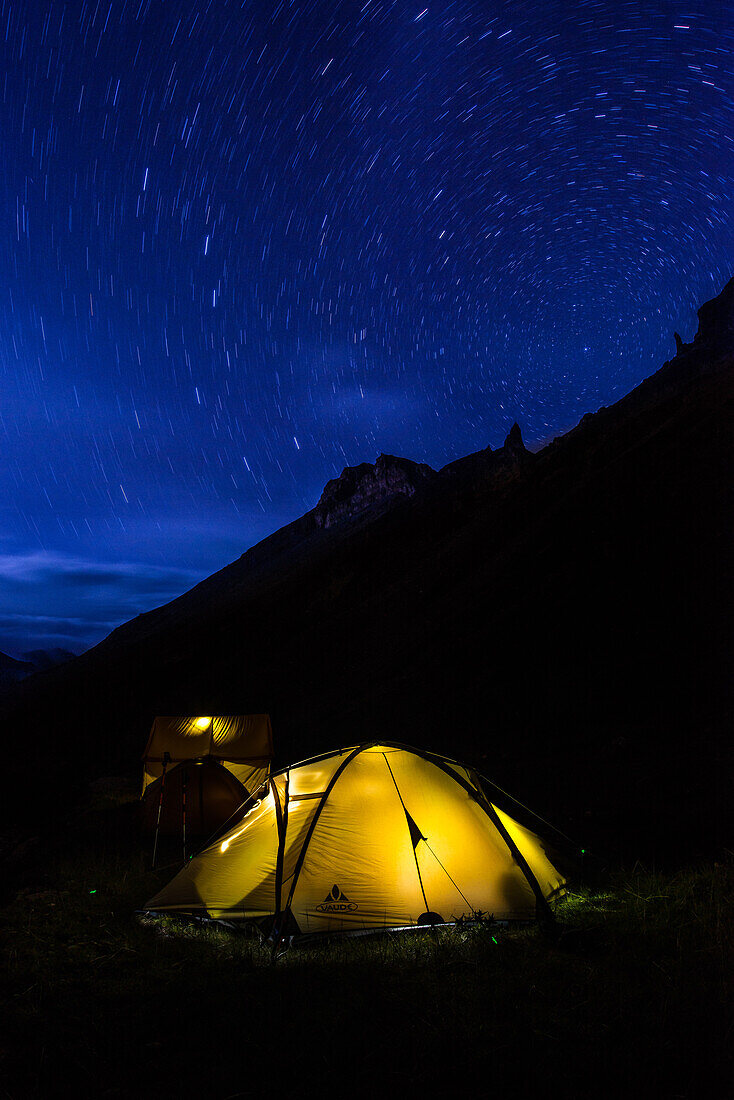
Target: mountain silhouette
{"type": "Point", "coordinates": [562, 620]}
{"type": "Point", "coordinates": [13, 670]}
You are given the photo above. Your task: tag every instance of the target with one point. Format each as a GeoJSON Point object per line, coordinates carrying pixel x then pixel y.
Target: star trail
{"type": "Point", "coordinates": [245, 244]}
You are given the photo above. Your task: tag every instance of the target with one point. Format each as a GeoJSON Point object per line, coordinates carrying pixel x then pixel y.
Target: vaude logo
{"type": "Point", "coordinates": [336, 902]}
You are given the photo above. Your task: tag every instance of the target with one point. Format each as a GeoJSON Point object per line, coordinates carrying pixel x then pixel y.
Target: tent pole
{"type": "Point", "coordinates": [304, 847]}
{"type": "Point", "coordinates": [183, 813]}
{"type": "Point", "coordinates": [166, 758]}
{"type": "Point", "coordinates": [412, 839]}
{"type": "Point", "coordinates": [281, 816]}
{"type": "Point", "coordinates": [543, 911]}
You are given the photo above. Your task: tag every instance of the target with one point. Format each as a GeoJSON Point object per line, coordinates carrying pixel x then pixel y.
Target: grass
{"type": "Point", "coordinates": [632, 998]}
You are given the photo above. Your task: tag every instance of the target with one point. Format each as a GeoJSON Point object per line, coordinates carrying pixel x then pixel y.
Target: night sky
{"type": "Point", "coordinates": [245, 244]}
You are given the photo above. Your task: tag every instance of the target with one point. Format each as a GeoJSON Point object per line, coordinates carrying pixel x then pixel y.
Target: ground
{"type": "Point", "coordinates": [631, 997]}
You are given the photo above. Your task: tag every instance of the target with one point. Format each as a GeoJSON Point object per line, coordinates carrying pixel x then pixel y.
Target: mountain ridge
{"type": "Point", "coordinates": [572, 600]}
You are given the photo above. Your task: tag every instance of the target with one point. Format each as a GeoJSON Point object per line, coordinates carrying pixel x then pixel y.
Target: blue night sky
{"type": "Point", "coordinates": [245, 244]}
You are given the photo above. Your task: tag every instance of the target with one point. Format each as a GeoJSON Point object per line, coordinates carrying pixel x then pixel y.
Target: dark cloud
{"type": "Point", "coordinates": [51, 599]}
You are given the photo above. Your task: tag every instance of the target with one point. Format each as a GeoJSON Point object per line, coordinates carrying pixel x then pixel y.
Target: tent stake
{"type": "Point", "coordinates": [166, 758]}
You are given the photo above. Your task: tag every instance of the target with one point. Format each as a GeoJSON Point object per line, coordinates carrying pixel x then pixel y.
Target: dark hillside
{"type": "Point", "coordinates": [563, 620]}
{"type": "Point", "coordinates": [13, 671]}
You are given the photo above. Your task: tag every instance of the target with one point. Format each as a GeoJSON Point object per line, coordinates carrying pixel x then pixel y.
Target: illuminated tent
{"type": "Point", "coordinates": [375, 836]}
{"type": "Point", "coordinates": [198, 771]}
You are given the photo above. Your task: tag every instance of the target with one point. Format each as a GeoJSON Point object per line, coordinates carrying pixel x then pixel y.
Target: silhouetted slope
{"type": "Point", "coordinates": [12, 671]}
{"type": "Point", "coordinates": [563, 620]}
{"type": "Point", "coordinates": [43, 659]}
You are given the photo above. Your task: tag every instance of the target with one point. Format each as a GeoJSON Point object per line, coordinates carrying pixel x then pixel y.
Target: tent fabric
{"type": "Point", "coordinates": [213, 794]}
{"type": "Point", "coordinates": [218, 761]}
{"type": "Point", "coordinates": [374, 836]}
{"type": "Point", "coordinates": [242, 739]}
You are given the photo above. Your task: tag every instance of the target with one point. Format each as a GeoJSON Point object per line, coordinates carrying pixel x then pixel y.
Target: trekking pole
{"type": "Point", "coordinates": [166, 758]}
{"type": "Point", "coordinates": [183, 812]}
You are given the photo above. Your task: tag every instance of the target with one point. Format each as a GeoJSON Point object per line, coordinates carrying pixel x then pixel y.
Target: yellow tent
{"type": "Point", "coordinates": [374, 836]}
{"type": "Point", "coordinates": [199, 770]}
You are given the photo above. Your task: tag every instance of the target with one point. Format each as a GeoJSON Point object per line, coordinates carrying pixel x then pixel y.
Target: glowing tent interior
{"type": "Point", "coordinates": [373, 836]}
{"type": "Point", "coordinates": [199, 770]}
